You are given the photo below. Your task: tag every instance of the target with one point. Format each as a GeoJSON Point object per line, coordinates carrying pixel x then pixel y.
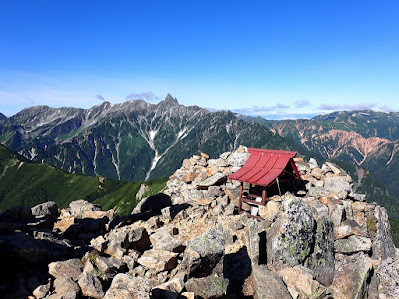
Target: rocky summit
{"type": "Point", "coordinates": [319, 241]}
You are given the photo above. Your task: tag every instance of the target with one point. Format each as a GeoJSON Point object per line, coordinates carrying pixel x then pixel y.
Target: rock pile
{"type": "Point", "coordinates": [323, 241]}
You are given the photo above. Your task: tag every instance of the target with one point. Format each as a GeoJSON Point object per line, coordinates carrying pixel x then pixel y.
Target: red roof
{"type": "Point", "coordinates": [263, 166]}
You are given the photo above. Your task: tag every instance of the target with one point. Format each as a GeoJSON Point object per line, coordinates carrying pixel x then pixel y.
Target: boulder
{"type": "Point", "coordinates": [208, 287]}
{"type": "Point", "coordinates": [321, 260]}
{"type": "Point", "coordinates": [267, 284]}
{"type": "Point", "coordinates": [163, 240]}
{"type": "Point", "coordinates": [204, 252]}
{"type": "Point", "coordinates": [168, 290]}
{"type": "Point", "coordinates": [122, 239]}
{"type": "Point", "coordinates": [72, 268]}
{"type": "Point", "coordinates": [64, 285]}
{"type": "Point", "coordinates": [351, 275]}
{"type": "Point", "coordinates": [237, 159]}
{"type": "Point", "coordinates": [300, 283]}
{"type": "Point", "coordinates": [159, 260]}
{"type": "Point", "coordinates": [91, 286]}
{"type": "Point", "coordinates": [126, 286]}
{"type": "Point", "coordinates": [108, 267]}
{"type": "Point", "coordinates": [42, 290]}
{"type": "Point", "coordinates": [79, 206]}
{"type": "Point", "coordinates": [379, 230]}
{"type": "Point", "coordinates": [291, 238]}
{"type": "Point", "coordinates": [387, 275]}
{"type": "Point", "coordinates": [47, 209]}
{"type": "Point", "coordinates": [347, 228]}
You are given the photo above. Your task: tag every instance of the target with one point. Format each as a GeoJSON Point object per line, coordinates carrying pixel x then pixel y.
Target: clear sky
{"type": "Point", "coordinates": [279, 59]}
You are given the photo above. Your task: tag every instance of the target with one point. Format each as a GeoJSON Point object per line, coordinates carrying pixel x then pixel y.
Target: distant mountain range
{"type": "Point", "coordinates": [366, 142]}
{"type": "Point", "coordinates": [130, 141]}
{"type": "Point", "coordinates": [135, 140]}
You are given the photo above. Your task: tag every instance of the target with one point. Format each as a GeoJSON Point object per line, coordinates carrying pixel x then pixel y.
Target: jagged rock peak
{"type": "Point", "coordinates": [170, 100]}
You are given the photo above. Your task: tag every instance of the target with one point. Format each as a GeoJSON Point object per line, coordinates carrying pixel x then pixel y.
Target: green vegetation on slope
{"type": "Point", "coordinates": [124, 199]}
{"type": "Point", "coordinates": [26, 183]}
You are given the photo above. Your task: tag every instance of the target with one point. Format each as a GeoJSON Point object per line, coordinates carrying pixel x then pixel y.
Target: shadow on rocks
{"type": "Point", "coordinates": [237, 268]}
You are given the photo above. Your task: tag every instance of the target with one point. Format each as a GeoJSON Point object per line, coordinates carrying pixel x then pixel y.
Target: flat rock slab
{"type": "Point", "coordinates": [72, 268]}
{"type": "Point", "coordinates": [160, 260]}
{"type": "Point", "coordinates": [352, 245]}
{"type": "Point", "coordinates": [212, 180]}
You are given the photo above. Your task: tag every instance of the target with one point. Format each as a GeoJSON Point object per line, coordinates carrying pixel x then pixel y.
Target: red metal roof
{"type": "Point", "coordinates": [263, 166]}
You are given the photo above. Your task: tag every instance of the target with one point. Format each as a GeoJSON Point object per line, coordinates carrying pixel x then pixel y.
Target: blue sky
{"type": "Point", "coordinates": [279, 59]}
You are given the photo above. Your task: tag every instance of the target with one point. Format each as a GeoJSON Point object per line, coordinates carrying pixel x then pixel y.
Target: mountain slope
{"type": "Point", "coordinates": [23, 182]}
{"type": "Point", "coordinates": [130, 141]}
{"type": "Point", "coordinates": [366, 139]}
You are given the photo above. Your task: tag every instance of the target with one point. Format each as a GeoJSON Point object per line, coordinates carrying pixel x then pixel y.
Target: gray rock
{"type": "Point", "coordinates": [42, 290]}
{"type": "Point", "coordinates": [379, 230]}
{"type": "Point", "coordinates": [238, 159]}
{"type": "Point", "coordinates": [64, 285]}
{"type": "Point", "coordinates": [79, 206]}
{"type": "Point", "coordinates": [351, 275]}
{"type": "Point", "coordinates": [168, 290]}
{"type": "Point", "coordinates": [108, 267]}
{"type": "Point", "coordinates": [204, 252]}
{"type": "Point", "coordinates": [291, 236]}
{"type": "Point", "coordinates": [337, 184]}
{"type": "Point", "coordinates": [215, 191]}
{"type": "Point", "coordinates": [91, 286]}
{"type": "Point", "coordinates": [126, 286]}
{"type": "Point", "coordinates": [158, 260]}
{"type": "Point", "coordinates": [163, 240]}
{"type": "Point", "coordinates": [72, 268]}
{"type": "Point", "coordinates": [352, 245]}
{"type": "Point", "coordinates": [317, 192]}
{"type": "Point", "coordinates": [387, 275]}
{"type": "Point", "coordinates": [213, 179]}
{"type": "Point", "coordinates": [49, 209]}
{"type": "Point", "coordinates": [336, 212]}
{"type": "Point", "coordinates": [335, 168]}
{"type": "Point", "coordinates": [321, 261]}
{"type": "Point", "coordinates": [208, 287]}
{"type": "Point", "coordinates": [268, 285]}
{"type": "Point", "coordinates": [122, 239]}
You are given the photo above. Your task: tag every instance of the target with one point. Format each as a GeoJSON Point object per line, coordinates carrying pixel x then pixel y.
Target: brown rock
{"type": "Point", "coordinates": [168, 290]}
{"type": "Point", "coordinates": [186, 163]}
{"type": "Point", "coordinates": [351, 274]}
{"type": "Point", "coordinates": [189, 176]}
{"type": "Point", "coordinates": [63, 223]}
{"type": "Point", "coordinates": [98, 214]}
{"type": "Point", "coordinates": [163, 240]}
{"type": "Point", "coordinates": [300, 282]}
{"type": "Point", "coordinates": [159, 260]}
{"type": "Point", "coordinates": [204, 156]}
{"type": "Point", "coordinates": [91, 286]}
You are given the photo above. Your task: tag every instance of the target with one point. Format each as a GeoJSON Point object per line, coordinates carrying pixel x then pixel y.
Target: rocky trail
{"type": "Point", "coordinates": [323, 241]}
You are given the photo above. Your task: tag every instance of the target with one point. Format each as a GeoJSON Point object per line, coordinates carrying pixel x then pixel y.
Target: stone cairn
{"type": "Point", "coordinates": [190, 242]}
